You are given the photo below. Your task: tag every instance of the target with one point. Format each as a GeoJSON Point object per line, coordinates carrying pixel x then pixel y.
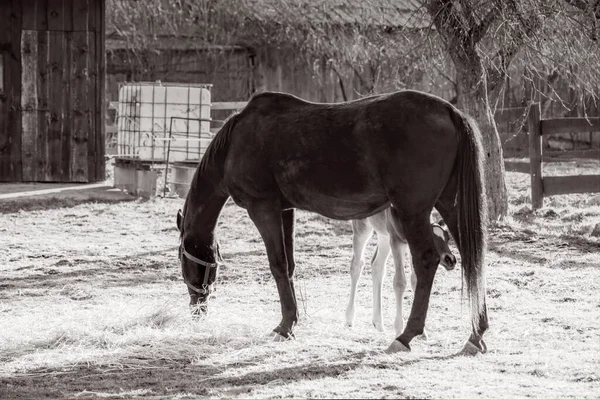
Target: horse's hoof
{"type": "Point", "coordinates": [396, 347]}
{"type": "Point", "coordinates": [470, 349]}
{"type": "Point", "coordinates": [378, 326]}
{"type": "Point", "coordinates": [278, 337]}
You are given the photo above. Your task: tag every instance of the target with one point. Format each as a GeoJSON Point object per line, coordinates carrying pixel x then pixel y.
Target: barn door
{"type": "Point", "coordinates": [59, 92]}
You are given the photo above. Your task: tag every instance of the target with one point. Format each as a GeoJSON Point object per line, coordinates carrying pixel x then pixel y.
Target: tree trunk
{"type": "Point", "coordinates": [475, 101]}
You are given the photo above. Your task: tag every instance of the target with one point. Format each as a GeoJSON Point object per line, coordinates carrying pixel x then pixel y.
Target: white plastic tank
{"type": "Point", "coordinates": [149, 113]}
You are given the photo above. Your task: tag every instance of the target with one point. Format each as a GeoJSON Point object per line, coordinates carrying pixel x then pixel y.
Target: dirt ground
{"type": "Point", "coordinates": [92, 305]}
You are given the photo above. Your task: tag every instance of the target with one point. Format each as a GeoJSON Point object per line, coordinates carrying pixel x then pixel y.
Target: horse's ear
{"type": "Point", "coordinates": [442, 223]}
{"type": "Point", "coordinates": [179, 220]}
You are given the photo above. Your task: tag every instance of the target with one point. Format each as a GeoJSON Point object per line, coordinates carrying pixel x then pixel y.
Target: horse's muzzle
{"type": "Point", "coordinates": [448, 261]}
{"type": "Point", "coordinates": [198, 305]}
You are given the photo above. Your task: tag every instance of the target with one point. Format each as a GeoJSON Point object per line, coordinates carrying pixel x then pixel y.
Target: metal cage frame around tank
{"type": "Point", "coordinates": [133, 137]}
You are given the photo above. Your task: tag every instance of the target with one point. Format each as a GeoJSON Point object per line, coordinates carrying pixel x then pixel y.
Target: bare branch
{"type": "Point", "coordinates": [468, 12]}
{"type": "Point", "coordinates": [478, 31]}
{"type": "Point", "coordinates": [584, 5]}
{"type": "Point", "coordinates": [447, 20]}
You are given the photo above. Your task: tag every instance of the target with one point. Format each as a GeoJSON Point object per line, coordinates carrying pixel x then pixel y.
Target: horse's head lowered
{"type": "Point", "coordinates": [441, 237]}
{"type": "Point", "coordinates": [199, 266]}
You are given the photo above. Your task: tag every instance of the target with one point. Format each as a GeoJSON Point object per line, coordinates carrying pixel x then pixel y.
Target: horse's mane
{"type": "Point", "coordinates": [217, 149]}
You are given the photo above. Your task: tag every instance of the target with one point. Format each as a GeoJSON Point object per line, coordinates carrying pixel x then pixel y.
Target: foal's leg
{"type": "Point", "coordinates": [378, 271]}
{"type": "Point", "coordinates": [399, 248]}
{"type": "Point", "coordinates": [267, 217]}
{"type": "Point", "coordinates": [425, 260]}
{"type": "Point", "coordinates": [361, 231]}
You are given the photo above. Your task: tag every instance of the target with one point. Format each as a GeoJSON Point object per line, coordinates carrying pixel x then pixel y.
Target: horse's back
{"type": "Point", "coordinates": [343, 156]}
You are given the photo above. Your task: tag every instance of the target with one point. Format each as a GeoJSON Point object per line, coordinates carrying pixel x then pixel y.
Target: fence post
{"type": "Point", "coordinates": [535, 155]}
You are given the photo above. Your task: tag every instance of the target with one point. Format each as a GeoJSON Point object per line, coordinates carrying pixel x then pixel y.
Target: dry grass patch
{"type": "Point", "coordinates": [92, 305]}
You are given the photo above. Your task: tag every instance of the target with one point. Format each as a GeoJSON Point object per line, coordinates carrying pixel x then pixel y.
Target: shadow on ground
{"type": "Point", "coordinates": [179, 376]}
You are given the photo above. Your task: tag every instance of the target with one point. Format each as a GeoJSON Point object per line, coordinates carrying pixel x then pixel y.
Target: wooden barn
{"type": "Point", "coordinates": [321, 50]}
{"type": "Point", "coordinates": [52, 72]}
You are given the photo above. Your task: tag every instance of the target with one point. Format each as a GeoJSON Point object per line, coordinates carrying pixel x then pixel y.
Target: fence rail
{"type": "Point", "coordinates": [552, 185]}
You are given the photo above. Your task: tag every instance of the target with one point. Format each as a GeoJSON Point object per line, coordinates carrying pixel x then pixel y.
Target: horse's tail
{"type": "Point", "coordinates": [472, 210]}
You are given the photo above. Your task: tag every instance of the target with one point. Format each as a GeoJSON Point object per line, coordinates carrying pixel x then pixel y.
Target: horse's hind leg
{"type": "Point", "coordinates": [425, 258]}
{"type": "Point", "coordinates": [447, 209]}
{"type": "Point", "coordinates": [413, 285]}
{"type": "Point", "coordinates": [361, 231]}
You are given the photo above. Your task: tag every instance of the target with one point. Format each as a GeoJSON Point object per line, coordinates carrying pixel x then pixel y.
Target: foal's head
{"type": "Point", "coordinates": [441, 237]}
{"type": "Point", "coordinates": [199, 266]}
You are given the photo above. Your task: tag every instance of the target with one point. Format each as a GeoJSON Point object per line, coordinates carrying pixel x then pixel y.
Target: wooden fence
{"type": "Point", "coordinates": [552, 185]}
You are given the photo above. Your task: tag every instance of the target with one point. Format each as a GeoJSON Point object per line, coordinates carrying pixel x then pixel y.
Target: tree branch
{"type": "Point", "coordinates": [584, 5]}
{"type": "Point", "coordinates": [447, 21]}
{"type": "Point", "coordinates": [478, 31]}
{"type": "Point", "coordinates": [529, 26]}
{"type": "Point", "coordinates": [468, 12]}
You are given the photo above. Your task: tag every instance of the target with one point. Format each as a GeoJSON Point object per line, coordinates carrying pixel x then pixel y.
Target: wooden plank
{"type": "Point", "coordinates": [93, 110]}
{"type": "Point", "coordinates": [228, 105]}
{"type": "Point", "coordinates": [535, 155]}
{"type": "Point", "coordinates": [67, 130]}
{"type": "Point", "coordinates": [57, 105]}
{"type": "Point", "coordinates": [35, 15]}
{"type": "Point", "coordinates": [43, 170]}
{"type": "Point", "coordinates": [571, 184]}
{"type": "Point", "coordinates": [29, 105]}
{"type": "Point", "coordinates": [60, 15]}
{"type": "Point", "coordinates": [567, 125]}
{"type": "Point", "coordinates": [29, 15]}
{"type": "Point", "coordinates": [81, 15]}
{"type": "Point", "coordinates": [96, 15]}
{"type": "Point", "coordinates": [100, 61]}
{"type": "Point", "coordinates": [517, 166]}
{"type": "Point", "coordinates": [10, 100]}
{"type": "Point", "coordinates": [81, 108]}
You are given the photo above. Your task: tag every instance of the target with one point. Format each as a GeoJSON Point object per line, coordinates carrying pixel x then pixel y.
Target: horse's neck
{"type": "Point", "coordinates": [203, 207]}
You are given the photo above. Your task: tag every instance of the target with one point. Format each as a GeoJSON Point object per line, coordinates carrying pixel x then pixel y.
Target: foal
{"type": "Point", "coordinates": [389, 237]}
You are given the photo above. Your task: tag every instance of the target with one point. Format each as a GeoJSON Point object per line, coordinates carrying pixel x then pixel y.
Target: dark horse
{"type": "Point", "coordinates": [344, 161]}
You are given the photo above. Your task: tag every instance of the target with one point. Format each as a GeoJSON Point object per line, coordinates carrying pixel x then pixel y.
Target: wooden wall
{"type": "Point", "coordinates": [279, 69]}
{"type": "Point", "coordinates": [229, 71]}
{"type": "Point", "coordinates": [235, 74]}
{"type": "Point", "coordinates": [10, 90]}
{"type": "Point", "coordinates": [58, 131]}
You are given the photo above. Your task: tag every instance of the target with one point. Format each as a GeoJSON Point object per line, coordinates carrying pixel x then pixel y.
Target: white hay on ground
{"type": "Point", "coordinates": [143, 326]}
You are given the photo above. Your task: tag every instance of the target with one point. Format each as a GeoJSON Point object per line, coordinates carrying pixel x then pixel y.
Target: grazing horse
{"type": "Point", "coordinates": [344, 161]}
{"type": "Point", "coordinates": [390, 238]}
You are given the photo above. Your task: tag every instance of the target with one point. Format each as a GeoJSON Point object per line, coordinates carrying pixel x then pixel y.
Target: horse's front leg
{"type": "Point", "coordinates": [425, 260]}
{"type": "Point", "coordinates": [289, 223]}
{"type": "Point", "coordinates": [267, 216]}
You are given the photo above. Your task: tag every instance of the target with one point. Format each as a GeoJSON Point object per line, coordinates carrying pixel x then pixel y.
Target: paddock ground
{"type": "Point", "coordinates": [92, 304]}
